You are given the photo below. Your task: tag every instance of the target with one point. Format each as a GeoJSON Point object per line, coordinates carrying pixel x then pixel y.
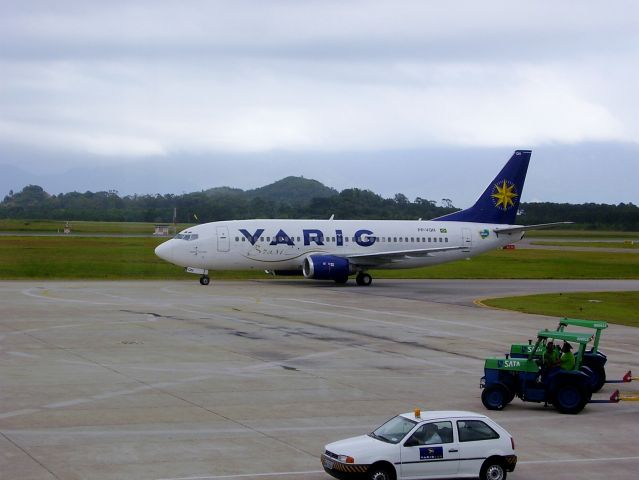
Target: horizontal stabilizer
{"type": "Point", "coordinates": [524, 228]}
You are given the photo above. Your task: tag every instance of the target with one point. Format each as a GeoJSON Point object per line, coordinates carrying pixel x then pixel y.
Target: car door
{"type": "Point", "coordinates": [477, 441]}
{"type": "Point", "coordinates": [429, 452]}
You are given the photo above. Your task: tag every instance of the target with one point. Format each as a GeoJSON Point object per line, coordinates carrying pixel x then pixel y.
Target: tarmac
{"type": "Point", "coordinates": [250, 379]}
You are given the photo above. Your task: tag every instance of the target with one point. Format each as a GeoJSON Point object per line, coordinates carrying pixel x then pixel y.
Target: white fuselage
{"type": "Point", "coordinates": [283, 245]}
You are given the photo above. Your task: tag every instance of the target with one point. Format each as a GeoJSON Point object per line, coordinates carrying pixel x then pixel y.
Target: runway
{"type": "Point", "coordinates": [172, 380]}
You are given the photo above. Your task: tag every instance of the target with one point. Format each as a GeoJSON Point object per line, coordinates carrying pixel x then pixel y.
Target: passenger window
{"type": "Point", "coordinates": [237, 239]}
{"type": "Point", "coordinates": [417, 239]}
{"type": "Point", "coordinates": [475, 430]}
{"type": "Point", "coordinates": [395, 239]}
{"type": "Point", "coordinates": [434, 433]}
{"type": "Point", "coordinates": [412, 239]}
{"type": "Point", "coordinates": [261, 239]}
{"type": "Point", "coordinates": [446, 239]}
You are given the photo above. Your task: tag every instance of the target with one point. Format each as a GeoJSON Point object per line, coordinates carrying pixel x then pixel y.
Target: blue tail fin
{"type": "Point", "coordinates": [500, 202]}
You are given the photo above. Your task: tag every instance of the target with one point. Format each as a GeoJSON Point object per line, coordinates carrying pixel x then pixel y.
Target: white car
{"type": "Point", "coordinates": [419, 445]}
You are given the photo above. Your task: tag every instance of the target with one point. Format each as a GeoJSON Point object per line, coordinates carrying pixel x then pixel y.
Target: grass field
{"type": "Point", "coordinates": [614, 307]}
{"type": "Point", "coordinates": [586, 234]}
{"type": "Point", "coordinates": [68, 257]}
{"type": "Point", "coordinates": [539, 264]}
{"type": "Point", "coordinates": [52, 226]}
{"type": "Point", "coordinates": [629, 244]}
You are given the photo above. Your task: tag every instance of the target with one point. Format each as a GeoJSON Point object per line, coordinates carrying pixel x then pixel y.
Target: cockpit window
{"type": "Point", "coordinates": [186, 236]}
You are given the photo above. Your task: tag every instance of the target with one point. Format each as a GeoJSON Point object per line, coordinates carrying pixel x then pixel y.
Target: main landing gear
{"type": "Point", "coordinates": [205, 280]}
{"type": "Point", "coordinates": [363, 279]}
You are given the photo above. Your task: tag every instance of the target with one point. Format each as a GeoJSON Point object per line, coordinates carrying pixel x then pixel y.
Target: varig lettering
{"type": "Point", "coordinates": [252, 238]}
{"type": "Point", "coordinates": [281, 237]}
{"type": "Point", "coordinates": [363, 237]}
{"type": "Point", "coordinates": [313, 235]}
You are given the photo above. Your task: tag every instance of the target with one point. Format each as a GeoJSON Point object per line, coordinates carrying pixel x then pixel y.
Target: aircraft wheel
{"type": "Point", "coordinates": [204, 280]}
{"type": "Point", "coordinates": [364, 279]}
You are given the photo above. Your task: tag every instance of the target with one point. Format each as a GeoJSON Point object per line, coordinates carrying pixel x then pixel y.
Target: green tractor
{"type": "Point", "coordinates": [527, 378]}
{"type": "Point", "coordinates": [592, 358]}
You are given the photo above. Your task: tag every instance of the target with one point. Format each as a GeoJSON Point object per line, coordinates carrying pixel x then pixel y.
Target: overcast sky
{"type": "Point", "coordinates": [427, 98]}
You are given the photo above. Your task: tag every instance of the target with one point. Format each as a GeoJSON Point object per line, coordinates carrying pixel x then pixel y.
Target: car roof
{"type": "Point", "coordinates": [440, 414]}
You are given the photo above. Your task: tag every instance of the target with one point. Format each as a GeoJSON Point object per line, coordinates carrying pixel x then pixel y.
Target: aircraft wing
{"type": "Point", "coordinates": [374, 259]}
{"type": "Point", "coordinates": [523, 228]}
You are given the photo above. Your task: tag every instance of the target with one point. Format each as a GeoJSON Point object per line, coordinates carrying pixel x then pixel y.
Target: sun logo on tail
{"type": "Point", "coordinates": [504, 195]}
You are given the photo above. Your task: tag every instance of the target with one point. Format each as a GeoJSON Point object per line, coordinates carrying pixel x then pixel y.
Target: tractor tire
{"type": "Point", "coordinates": [599, 378]}
{"type": "Point", "coordinates": [495, 397]}
{"type": "Point", "coordinates": [493, 469]}
{"type": "Point", "coordinates": [570, 398]}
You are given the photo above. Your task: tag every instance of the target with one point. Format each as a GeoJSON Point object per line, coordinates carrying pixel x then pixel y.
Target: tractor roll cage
{"type": "Point", "coordinates": [580, 338]}
{"type": "Point", "coordinates": [597, 325]}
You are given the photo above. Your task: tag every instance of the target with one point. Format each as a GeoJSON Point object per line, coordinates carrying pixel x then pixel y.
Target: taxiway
{"type": "Point", "coordinates": [249, 380]}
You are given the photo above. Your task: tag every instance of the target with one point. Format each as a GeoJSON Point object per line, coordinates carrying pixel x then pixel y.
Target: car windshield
{"type": "Point", "coordinates": [393, 430]}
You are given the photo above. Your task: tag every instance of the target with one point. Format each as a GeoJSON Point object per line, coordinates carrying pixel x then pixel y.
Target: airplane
{"type": "Point", "coordinates": [336, 249]}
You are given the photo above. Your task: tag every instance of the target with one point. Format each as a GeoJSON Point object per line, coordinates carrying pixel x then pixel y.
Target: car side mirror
{"type": "Point", "coordinates": [411, 442]}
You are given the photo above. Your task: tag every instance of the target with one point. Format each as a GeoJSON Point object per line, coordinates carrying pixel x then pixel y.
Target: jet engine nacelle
{"type": "Point", "coordinates": [326, 267]}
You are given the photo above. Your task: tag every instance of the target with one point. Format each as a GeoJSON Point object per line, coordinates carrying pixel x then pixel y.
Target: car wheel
{"type": "Point", "coordinates": [494, 397]}
{"type": "Point", "coordinates": [380, 473]}
{"type": "Point", "coordinates": [492, 469]}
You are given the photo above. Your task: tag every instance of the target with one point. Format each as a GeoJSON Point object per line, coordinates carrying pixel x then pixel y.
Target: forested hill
{"type": "Point", "coordinates": [291, 197]}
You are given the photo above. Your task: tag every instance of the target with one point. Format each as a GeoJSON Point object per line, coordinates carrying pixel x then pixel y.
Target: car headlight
{"type": "Point", "coordinates": [345, 459]}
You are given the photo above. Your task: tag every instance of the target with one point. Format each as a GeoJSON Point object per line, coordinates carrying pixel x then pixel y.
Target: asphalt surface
{"type": "Point", "coordinates": [249, 380]}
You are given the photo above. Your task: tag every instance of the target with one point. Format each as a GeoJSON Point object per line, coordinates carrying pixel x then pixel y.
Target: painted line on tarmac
{"type": "Point", "coordinates": [312, 472]}
{"type": "Point", "coordinates": [247, 369]}
{"type": "Point", "coordinates": [41, 294]}
{"type": "Point", "coordinates": [577, 460]}
{"type": "Point", "coordinates": [245, 475]}
{"type": "Point", "coordinates": [396, 314]}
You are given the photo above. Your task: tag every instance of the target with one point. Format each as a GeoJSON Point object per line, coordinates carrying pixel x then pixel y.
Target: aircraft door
{"type": "Point", "coordinates": [223, 240]}
{"type": "Point", "coordinates": [467, 239]}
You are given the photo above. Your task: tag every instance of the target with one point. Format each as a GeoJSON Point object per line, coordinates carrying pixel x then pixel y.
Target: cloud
{"type": "Point", "coordinates": [111, 82]}
{"type": "Point", "coordinates": [119, 109]}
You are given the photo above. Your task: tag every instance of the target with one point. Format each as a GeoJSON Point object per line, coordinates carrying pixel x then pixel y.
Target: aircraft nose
{"type": "Point", "coordinates": [165, 251]}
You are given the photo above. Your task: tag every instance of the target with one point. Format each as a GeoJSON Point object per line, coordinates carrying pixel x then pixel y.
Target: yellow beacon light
{"type": "Point", "coordinates": [418, 413]}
